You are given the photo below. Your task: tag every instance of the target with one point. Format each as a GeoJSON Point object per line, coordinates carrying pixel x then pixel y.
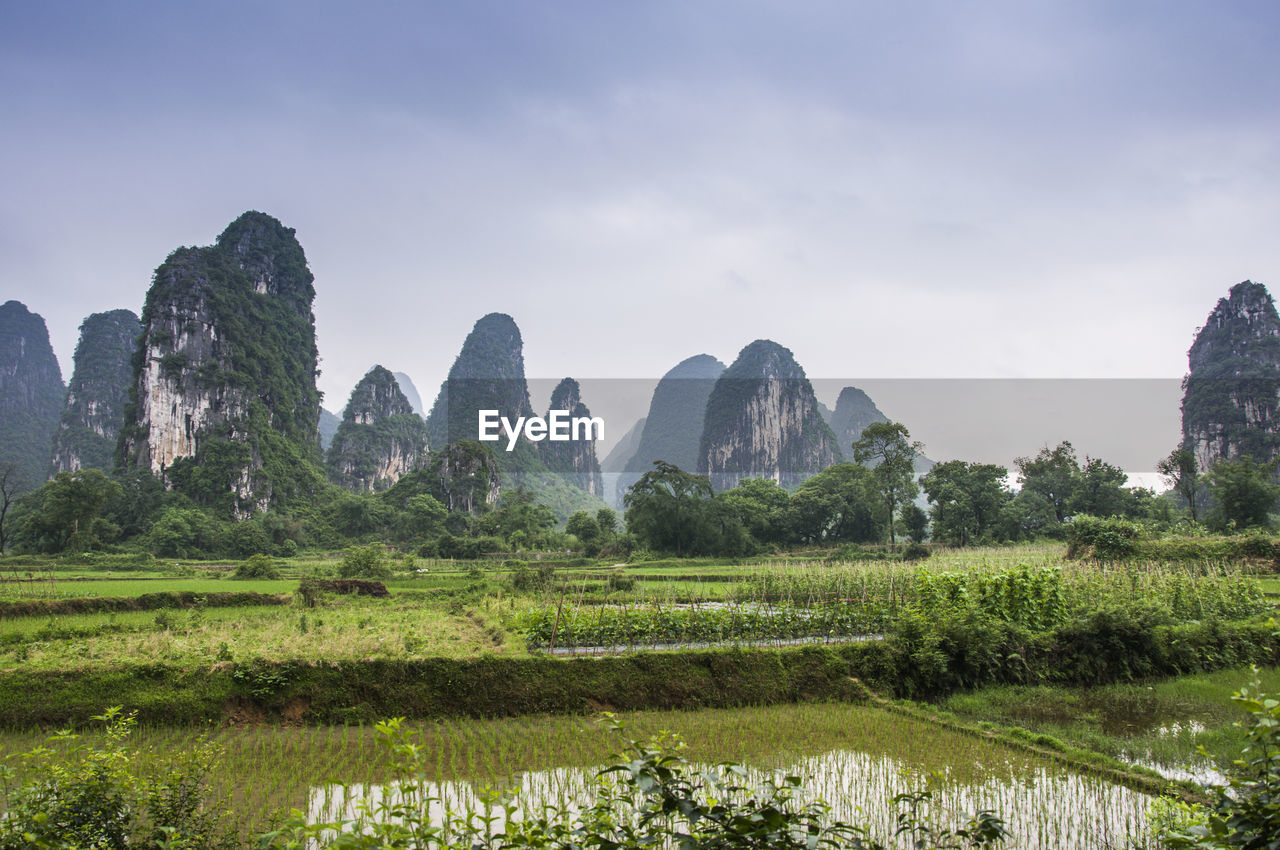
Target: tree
{"type": "Point", "coordinates": [966, 500]}
{"type": "Point", "coordinates": [8, 495]}
{"type": "Point", "coordinates": [1182, 474]}
{"type": "Point", "coordinates": [364, 562]}
{"type": "Point", "coordinates": [607, 519]}
{"type": "Point", "coordinates": [69, 511]}
{"type": "Point", "coordinates": [1100, 490]}
{"type": "Point", "coordinates": [915, 522]}
{"type": "Point", "coordinates": [761, 507]}
{"type": "Point", "coordinates": [887, 448]}
{"type": "Point", "coordinates": [1054, 474]}
{"type": "Point", "coordinates": [519, 513]}
{"type": "Point", "coordinates": [426, 515]}
{"type": "Point", "coordinates": [838, 505]}
{"type": "Point", "coordinates": [1243, 492]}
{"type": "Point", "coordinates": [670, 510]}
{"type": "Point", "coordinates": [583, 526]}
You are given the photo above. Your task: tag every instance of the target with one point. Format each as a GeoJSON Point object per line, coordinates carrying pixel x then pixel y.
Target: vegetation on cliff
{"type": "Point", "coordinates": [381, 437]}
{"type": "Point", "coordinates": [94, 413]}
{"type": "Point", "coordinates": [31, 397]}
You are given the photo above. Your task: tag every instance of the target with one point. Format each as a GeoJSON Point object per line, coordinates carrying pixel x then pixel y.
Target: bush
{"type": "Point", "coordinates": [467, 548]}
{"type": "Point", "coordinates": [257, 566]}
{"type": "Point", "coordinates": [1103, 539]}
{"type": "Point", "coordinates": [916, 552]}
{"type": "Point", "coordinates": [526, 579]}
{"type": "Point", "coordinates": [1247, 812]}
{"type": "Point", "coordinates": [619, 581]}
{"type": "Point", "coordinates": [97, 796]}
{"type": "Point", "coordinates": [367, 562]}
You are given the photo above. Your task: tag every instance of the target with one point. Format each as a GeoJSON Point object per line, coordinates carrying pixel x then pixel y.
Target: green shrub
{"type": "Point", "coordinates": [1103, 539]}
{"type": "Point", "coordinates": [105, 796]}
{"type": "Point", "coordinates": [257, 566]}
{"type": "Point", "coordinates": [916, 552]}
{"type": "Point", "coordinates": [366, 562]}
{"type": "Point", "coordinates": [1247, 812]}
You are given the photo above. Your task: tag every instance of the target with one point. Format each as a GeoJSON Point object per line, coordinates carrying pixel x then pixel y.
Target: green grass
{"type": "Point", "coordinates": [132, 587]}
{"type": "Point", "coordinates": [350, 628]}
{"type": "Point", "coordinates": [1164, 722]}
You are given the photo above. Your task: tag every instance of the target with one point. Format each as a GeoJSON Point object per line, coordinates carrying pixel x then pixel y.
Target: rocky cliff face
{"type": "Point", "coordinates": [468, 476]}
{"type": "Point", "coordinates": [763, 422]}
{"type": "Point", "coordinates": [488, 374]}
{"type": "Point", "coordinates": [31, 396]}
{"type": "Point", "coordinates": [380, 438]}
{"type": "Point", "coordinates": [574, 460]}
{"type": "Point", "coordinates": [94, 413]}
{"type": "Point", "coordinates": [224, 405]}
{"type": "Point", "coordinates": [1231, 396]}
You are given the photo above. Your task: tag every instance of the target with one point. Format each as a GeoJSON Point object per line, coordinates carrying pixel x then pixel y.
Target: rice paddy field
{"type": "Point", "coordinates": [855, 757]}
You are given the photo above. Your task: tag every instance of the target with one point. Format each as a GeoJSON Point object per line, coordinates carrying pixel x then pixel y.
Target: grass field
{"type": "Point", "coordinates": [1162, 723]}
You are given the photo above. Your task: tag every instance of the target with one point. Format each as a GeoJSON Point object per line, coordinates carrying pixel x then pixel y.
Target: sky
{"type": "Point", "coordinates": [891, 190]}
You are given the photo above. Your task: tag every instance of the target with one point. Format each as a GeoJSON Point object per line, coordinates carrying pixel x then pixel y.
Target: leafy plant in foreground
{"type": "Point", "coordinates": [95, 796]}
{"type": "Point", "coordinates": [1247, 813]}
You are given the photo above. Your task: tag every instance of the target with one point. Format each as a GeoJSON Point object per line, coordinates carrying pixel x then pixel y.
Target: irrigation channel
{"type": "Point", "coordinates": [1045, 804]}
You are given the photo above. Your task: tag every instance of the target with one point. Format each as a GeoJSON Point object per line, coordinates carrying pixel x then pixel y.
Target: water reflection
{"type": "Point", "coordinates": [1043, 807]}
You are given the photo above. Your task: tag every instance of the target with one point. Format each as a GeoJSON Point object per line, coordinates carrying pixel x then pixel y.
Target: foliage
{"type": "Point", "coordinates": [366, 562]}
{"type": "Point", "coordinates": [1182, 474]}
{"type": "Point", "coordinates": [651, 798]}
{"type": "Point", "coordinates": [671, 510]}
{"type": "Point", "coordinates": [967, 499]}
{"type": "Point", "coordinates": [69, 512]}
{"type": "Point", "coordinates": [887, 447]}
{"type": "Point", "coordinates": [1053, 474]}
{"type": "Point", "coordinates": [257, 566]}
{"type": "Point", "coordinates": [583, 526]}
{"type": "Point", "coordinates": [761, 507]}
{"type": "Point", "coordinates": [838, 505]}
{"type": "Point", "coordinates": [1103, 539]}
{"type": "Point", "coordinates": [186, 533]}
{"type": "Point", "coordinates": [1243, 494]}
{"type": "Point", "coordinates": [99, 797]}
{"type": "Point", "coordinates": [1247, 813]}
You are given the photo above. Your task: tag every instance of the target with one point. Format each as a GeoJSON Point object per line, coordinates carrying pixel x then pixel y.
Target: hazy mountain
{"type": "Point", "coordinates": [94, 413]}
{"type": "Point", "coordinates": [410, 392]}
{"type": "Point", "coordinates": [380, 438]}
{"type": "Point", "coordinates": [763, 422]}
{"type": "Point", "coordinates": [31, 396]}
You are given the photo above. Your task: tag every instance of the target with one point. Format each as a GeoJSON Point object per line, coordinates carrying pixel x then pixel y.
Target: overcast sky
{"type": "Point", "coordinates": [924, 190]}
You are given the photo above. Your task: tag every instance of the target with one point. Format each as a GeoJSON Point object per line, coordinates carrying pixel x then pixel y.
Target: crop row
{"type": "Point", "coordinates": [1035, 598]}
